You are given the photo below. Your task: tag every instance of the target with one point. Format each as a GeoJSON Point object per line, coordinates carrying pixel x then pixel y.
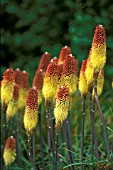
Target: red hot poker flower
{"type": "Point", "coordinates": [63, 53]}
{"type": "Point", "coordinates": [44, 62]}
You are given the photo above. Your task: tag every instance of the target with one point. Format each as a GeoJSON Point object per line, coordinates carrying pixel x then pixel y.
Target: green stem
{"type": "Point", "coordinates": [101, 114]}
{"type": "Point", "coordinates": [94, 138]}
{"type": "Point", "coordinates": [30, 153]}
{"type": "Point", "coordinates": [55, 152]}
{"type": "Point", "coordinates": [41, 139]}
{"type": "Point", "coordinates": [33, 143]}
{"type": "Point", "coordinates": [82, 131]}
{"type": "Point", "coordinates": [69, 142]}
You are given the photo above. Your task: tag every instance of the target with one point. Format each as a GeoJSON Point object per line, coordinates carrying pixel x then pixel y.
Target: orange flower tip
{"type": "Point", "coordinates": [11, 137]}
{"type": "Point", "coordinates": [84, 63]}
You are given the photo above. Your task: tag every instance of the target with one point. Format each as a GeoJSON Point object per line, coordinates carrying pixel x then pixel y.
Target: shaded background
{"type": "Point", "coordinates": [29, 28]}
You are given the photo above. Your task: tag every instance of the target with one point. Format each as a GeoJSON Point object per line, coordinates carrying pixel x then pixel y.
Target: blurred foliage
{"type": "Point", "coordinates": [30, 28]}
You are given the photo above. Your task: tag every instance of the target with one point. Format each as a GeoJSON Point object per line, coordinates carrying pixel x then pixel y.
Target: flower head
{"type": "Point", "coordinates": [38, 83]}
{"type": "Point", "coordinates": [31, 110]}
{"type": "Point", "coordinates": [50, 82]}
{"type": "Point", "coordinates": [89, 72]}
{"type": "Point", "coordinates": [44, 62]}
{"type": "Point", "coordinates": [100, 83]}
{"type": "Point", "coordinates": [69, 73]}
{"type": "Point", "coordinates": [24, 83]}
{"type": "Point", "coordinates": [9, 154]}
{"type": "Point", "coordinates": [98, 56]}
{"type": "Point", "coordinates": [61, 106]}
{"type": "Point", "coordinates": [13, 104]}
{"type": "Point", "coordinates": [82, 79]}
{"type": "Point", "coordinates": [7, 86]}
{"type": "Point", "coordinates": [63, 53]}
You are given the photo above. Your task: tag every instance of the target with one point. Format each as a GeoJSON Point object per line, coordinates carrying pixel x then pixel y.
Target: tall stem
{"type": "Point", "coordinates": [30, 152]}
{"type": "Point", "coordinates": [55, 152]}
{"type": "Point", "coordinates": [101, 114]}
{"type": "Point", "coordinates": [49, 128]}
{"type": "Point", "coordinates": [82, 131]}
{"type": "Point", "coordinates": [69, 142]}
{"type": "Point", "coordinates": [33, 143]}
{"type": "Point", "coordinates": [41, 138]}
{"type": "Point", "coordinates": [94, 139]}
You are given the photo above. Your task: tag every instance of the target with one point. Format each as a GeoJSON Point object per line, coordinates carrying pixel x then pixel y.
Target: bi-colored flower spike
{"type": "Point", "coordinates": [7, 86]}
{"type": "Point", "coordinates": [82, 79]}
{"type": "Point", "coordinates": [69, 76]}
{"type": "Point", "coordinates": [61, 106]}
{"type": "Point", "coordinates": [63, 53]}
{"type": "Point", "coordinates": [44, 62]}
{"type": "Point", "coordinates": [98, 56]}
{"type": "Point", "coordinates": [100, 83]}
{"type": "Point", "coordinates": [18, 76]}
{"type": "Point", "coordinates": [31, 110]}
{"type": "Point", "coordinates": [9, 154]}
{"type": "Point", "coordinates": [13, 104]}
{"type": "Point", "coordinates": [38, 83]}
{"type": "Point", "coordinates": [23, 89]}
{"type": "Point", "coordinates": [50, 82]}
{"type": "Point", "coordinates": [89, 72]}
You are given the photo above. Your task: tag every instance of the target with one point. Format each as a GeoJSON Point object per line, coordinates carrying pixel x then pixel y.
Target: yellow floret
{"type": "Point", "coordinates": [70, 82]}
{"type": "Point", "coordinates": [98, 57]}
{"type": "Point", "coordinates": [6, 91]}
{"type": "Point", "coordinates": [100, 84]}
{"type": "Point", "coordinates": [83, 84]}
{"type": "Point", "coordinates": [11, 109]}
{"type": "Point", "coordinates": [30, 119]}
{"type": "Point", "coordinates": [61, 112]}
{"type": "Point", "coordinates": [89, 72]}
{"type": "Point", "coordinates": [22, 98]}
{"type": "Point", "coordinates": [9, 156]}
{"type": "Point", "coordinates": [50, 88]}
{"type": "Point", "coordinates": [39, 97]}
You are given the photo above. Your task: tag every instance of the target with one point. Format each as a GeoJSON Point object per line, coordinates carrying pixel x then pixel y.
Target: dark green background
{"type": "Point", "coordinates": [30, 28]}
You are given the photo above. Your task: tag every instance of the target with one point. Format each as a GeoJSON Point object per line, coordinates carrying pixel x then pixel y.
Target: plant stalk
{"type": "Point", "coordinates": [82, 131]}
{"type": "Point", "coordinates": [69, 142]}
{"type": "Point", "coordinates": [30, 152]}
{"type": "Point", "coordinates": [55, 157]}
{"type": "Point", "coordinates": [41, 139]}
{"type": "Point", "coordinates": [101, 114]}
{"type": "Point", "coordinates": [94, 138]}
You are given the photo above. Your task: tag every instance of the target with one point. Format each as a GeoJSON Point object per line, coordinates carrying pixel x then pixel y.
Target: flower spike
{"type": "Point", "coordinates": [61, 106]}
{"type": "Point", "coordinates": [98, 56]}
{"type": "Point", "coordinates": [9, 154]}
{"type": "Point", "coordinates": [31, 110]}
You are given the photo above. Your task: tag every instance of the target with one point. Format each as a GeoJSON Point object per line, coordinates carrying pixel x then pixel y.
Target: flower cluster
{"type": "Point", "coordinates": [10, 151]}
